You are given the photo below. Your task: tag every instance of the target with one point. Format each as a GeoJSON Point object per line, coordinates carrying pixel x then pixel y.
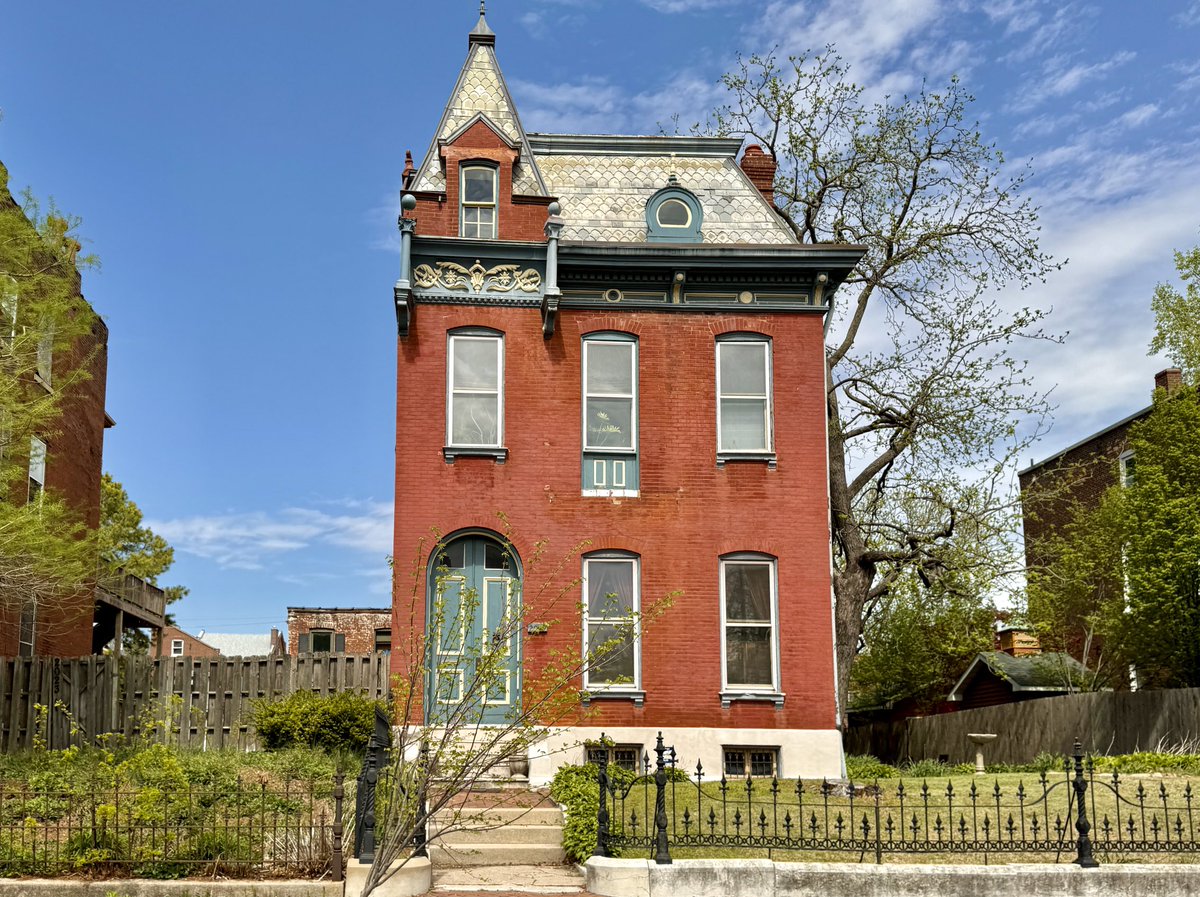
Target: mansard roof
{"type": "Point", "coordinates": [603, 183]}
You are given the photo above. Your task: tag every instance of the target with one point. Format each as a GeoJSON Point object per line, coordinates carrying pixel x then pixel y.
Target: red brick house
{"type": "Point", "coordinates": [68, 463]}
{"type": "Point", "coordinates": [618, 340]}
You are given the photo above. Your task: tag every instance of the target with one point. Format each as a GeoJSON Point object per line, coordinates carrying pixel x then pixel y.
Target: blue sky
{"type": "Point", "coordinates": [237, 167]}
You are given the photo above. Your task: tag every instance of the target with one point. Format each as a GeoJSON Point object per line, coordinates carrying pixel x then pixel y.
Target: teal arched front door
{"type": "Point", "coordinates": [473, 609]}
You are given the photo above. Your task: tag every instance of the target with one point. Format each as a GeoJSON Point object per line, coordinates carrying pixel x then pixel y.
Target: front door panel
{"type": "Point", "coordinates": [473, 602]}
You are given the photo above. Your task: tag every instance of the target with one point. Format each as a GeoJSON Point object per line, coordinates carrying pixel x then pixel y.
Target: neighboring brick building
{"type": "Point", "coordinates": [348, 630]}
{"type": "Point", "coordinates": [1078, 476]}
{"type": "Point", "coordinates": [177, 643]}
{"type": "Point", "coordinates": [618, 341]}
{"type": "Point", "coordinates": [68, 463]}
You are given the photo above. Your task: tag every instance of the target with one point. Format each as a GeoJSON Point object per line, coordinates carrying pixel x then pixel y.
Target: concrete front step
{"type": "Point", "coordinates": [482, 817]}
{"type": "Point", "coordinates": [442, 854]}
{"type": "Point", "coordinates": [512, 833]}
{"type": "Point", "coordinates": [522, 879]}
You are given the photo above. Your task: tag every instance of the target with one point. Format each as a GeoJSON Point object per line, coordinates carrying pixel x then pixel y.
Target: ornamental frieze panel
{"type": "Point", "coordinates": [477, 278]}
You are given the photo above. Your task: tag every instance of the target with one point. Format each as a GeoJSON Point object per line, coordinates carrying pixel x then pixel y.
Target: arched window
{"type": "Point", "coordinates": [674, 215]}
{"type": "Point", "coordinates": [477, 202]}
{"type": "Point", "coordinates": [744, 424]}
{"type": "Point", "coordinates": [475, 391]}
{"type": "Point", "coordinates": [749, 624]}
{"type": "Point", "coordinates": [611, 603]}
{"type": "Point", "coordinates": [610, 414]}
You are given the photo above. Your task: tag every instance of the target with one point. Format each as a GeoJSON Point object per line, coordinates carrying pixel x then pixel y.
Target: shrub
{"type": "Point", "coordinates": [860, 767]}
{"type": "Point", "coordinates": [928, 769]}
{"type": "Point", "coordinates": [337, 722]}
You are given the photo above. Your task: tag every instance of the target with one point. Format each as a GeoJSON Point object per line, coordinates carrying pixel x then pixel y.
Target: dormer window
{"type": "Point", "coordinates": [478, 207]}
{"type": "Point", "coordinates": [674, 215]}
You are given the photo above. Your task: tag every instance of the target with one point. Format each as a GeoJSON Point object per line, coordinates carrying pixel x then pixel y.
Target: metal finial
{"type": "Point", "coordinates": [482, 9]}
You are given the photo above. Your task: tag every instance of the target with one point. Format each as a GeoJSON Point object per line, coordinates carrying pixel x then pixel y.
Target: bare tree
{"type": "Point", "coordinates": [927, 405]}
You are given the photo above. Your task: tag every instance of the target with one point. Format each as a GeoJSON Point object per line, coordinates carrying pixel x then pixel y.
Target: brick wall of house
{"type": "Point", "coordinates": [1052, 491]}
{"type": "Point", "coordinates": [358, 625]}
{"type": "Point", "coordinates": [689, 512]}
{"type": "Point", "coordinates": [74, 462]}
{"type": "Point", "coordinates": [192, 646]}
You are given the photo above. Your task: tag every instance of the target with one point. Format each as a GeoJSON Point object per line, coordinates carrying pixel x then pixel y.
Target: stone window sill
{"type": "Point", "coordinates": [453, 452]}
{"type": "Point", "coordinates": [767, 458]}
{"type": "Point", "coordinates": [638, 697]}
{"type": "Point", "coordinates": [775, 697]}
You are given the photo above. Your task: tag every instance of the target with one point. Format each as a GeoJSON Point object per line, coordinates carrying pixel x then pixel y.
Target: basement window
{"type": "Point", "coordinates": [756, 761]}
{"type": "Point", "coordinates": [626, 756]}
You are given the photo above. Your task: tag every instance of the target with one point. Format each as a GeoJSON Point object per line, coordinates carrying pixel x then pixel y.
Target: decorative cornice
{"type": "Point", "coordinates": [477, 278]}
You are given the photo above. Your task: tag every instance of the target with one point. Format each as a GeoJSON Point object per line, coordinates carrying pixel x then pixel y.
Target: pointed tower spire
{"type": "Point", "coordinates": [482, 32]}
{"type": "Point", "coordinates": [480, 94]}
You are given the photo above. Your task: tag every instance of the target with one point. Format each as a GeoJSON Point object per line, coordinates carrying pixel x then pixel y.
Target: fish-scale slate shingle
{"type": "Point", "coordinates": [604, 196]}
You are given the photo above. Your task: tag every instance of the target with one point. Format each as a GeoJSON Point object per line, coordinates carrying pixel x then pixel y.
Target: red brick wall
{"type": "Point", "coordinates": [688, 514]}
{"type": "Point", "coordinates": [74, 462]}
{"type": "Point", "coordinates": [357, 625]}
{"type": "Point", "coordinates": [1079, 478]}
{"type": "Point", "coordinates": [192, 646]}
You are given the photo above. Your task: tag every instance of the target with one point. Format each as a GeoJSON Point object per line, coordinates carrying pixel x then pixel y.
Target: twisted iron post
{"type": "Point", "coordinates": [662, 853]}
{"type": "Point", "coordinates": [339, 792]}
{"type": "Point", "coordinates": [602, 849]}
{"type": "Point", "coordinates": [1083, 844]}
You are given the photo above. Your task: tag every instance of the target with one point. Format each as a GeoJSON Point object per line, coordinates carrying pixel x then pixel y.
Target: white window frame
{"type": "Point", "coordinates": [635, 608]}
{"type": "Point", "coordinates": [37, 467]}
{"type": "Point", "coordinates": [463, 204]}
{"type": "Point", "coordinates": [632, 344]}
{"type": "Point", "coordinates": [1123, 467]}
{"type": "Point", "coordinates": [726, 623]}
{"type": "Point", "coordinates": [769, 411]}
{"type": "Point", "coordinates": [452, 390]}
{"type": "Point", "coordinates": [27, 623]}
{"type": "Point", "coordinates": [177, 647]}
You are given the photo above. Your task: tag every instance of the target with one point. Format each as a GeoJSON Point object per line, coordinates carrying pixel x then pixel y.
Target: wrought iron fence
{"type": "Point", "coordinates": [253, 829]}
{"type": "Point", "coordinates": [1070, 814]}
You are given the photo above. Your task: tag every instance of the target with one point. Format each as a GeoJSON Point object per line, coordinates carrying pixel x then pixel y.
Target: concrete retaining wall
{"type": "Point", "coordinates": [45, 887]}
{"type": "Point", "coordinates": [765, 878]}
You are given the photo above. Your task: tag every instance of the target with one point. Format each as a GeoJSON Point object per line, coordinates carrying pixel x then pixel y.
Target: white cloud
{"type": "Point", "coordinates": [687, 6]}
{"type": "Point", "coordinates": [1191, 15]}
{"type": "Point", "coordinates": [1059, 77]}
{"type": "Point", "coordinates": [1136, 116]}
{"type": "Point", "coordinates": [250, 540]}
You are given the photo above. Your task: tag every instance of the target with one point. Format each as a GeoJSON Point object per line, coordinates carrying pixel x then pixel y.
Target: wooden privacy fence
{"type": "Point", "coordinates": [1105, 722]}
{"type": "Point", "coordinates": [205, 700]}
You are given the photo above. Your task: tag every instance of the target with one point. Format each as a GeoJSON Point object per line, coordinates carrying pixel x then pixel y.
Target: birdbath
{"type": "Point", "coordinates": [980, 740]}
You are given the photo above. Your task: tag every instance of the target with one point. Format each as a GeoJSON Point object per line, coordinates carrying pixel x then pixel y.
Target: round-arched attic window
{"type": "Point", "coordinates": [673, 215]}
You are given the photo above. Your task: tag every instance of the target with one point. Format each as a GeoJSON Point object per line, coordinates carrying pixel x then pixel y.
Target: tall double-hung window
{"type": "Point", "coordinates": [611, 591]}
{"type": "Point", "coordinates": [475, 390]}
{"type": "Point", "coordinates": [478, 207]}
{"type": "Point", "coordinates": [744, 425]}
{"type": "Point", "coordinates": [610, 385]}
{"type": "Point", "coordinates": [749, 625]}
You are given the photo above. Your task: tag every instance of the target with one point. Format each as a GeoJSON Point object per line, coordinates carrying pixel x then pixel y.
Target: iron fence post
{"type": "Point", "coordinates": [662, 853]}
{"type": "Point", "coordinates": [602, 814]}
{"type": "Point", "coordinates": [339, 792]}
{"type": "Point", "coordinates": [421, 838]}
{"type": "Point", "coordinates": [1083, 845]}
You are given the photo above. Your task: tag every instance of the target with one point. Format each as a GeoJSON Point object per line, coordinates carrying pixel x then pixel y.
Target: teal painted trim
{"type": "Point", "coordinates": [611, 472]}
{"type": "Point", "coordinates": [657, 232]}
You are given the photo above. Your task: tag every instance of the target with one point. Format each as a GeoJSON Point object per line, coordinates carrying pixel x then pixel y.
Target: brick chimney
{"type": "Point", "coordinates": [760, 168]}
{"type": "Point", "coordinates": [1018, 642]}
{"type": "Point", "coordinates": [1170, 379]}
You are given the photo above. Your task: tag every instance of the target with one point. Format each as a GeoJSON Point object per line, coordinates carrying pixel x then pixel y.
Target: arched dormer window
{"type": "Point", "coordinates": [477, 201]}
{"type": "Point", "coordinates": [674, 215]}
